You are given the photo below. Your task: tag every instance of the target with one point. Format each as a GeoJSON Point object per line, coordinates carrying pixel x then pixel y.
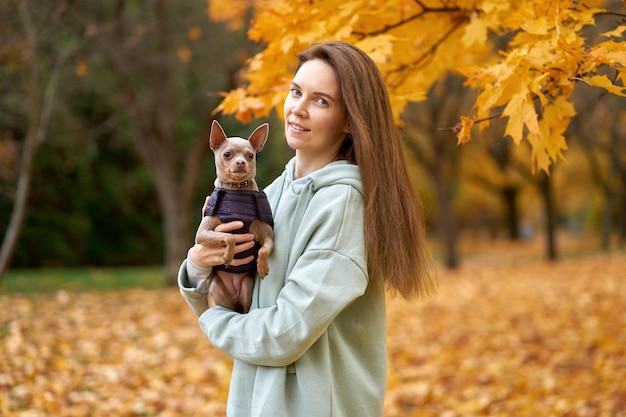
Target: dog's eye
{"type": "Point", "coordinates": [250, 156]}
{"type": "Point", "coordinates": [227, 154]}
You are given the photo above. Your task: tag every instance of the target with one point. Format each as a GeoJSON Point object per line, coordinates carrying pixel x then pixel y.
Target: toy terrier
{"type": "Point", "coordinates": [237, 197]}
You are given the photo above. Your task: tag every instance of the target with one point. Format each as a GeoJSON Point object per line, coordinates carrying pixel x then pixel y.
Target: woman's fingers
{"type": "Point", "coordinates": [242, 261]}
{"type": "Point", "coordinates": [206, 256]}
{"type": "Point", "coordinates": [229, 227]}
{"type": "Point", "coordinates": [210, 252]}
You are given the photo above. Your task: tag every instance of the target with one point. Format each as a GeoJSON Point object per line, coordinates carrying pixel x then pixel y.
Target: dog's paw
{"type": "Point", "coordinates": [229, 252]}
{"type": "Point", "coordinates": [262, 269]}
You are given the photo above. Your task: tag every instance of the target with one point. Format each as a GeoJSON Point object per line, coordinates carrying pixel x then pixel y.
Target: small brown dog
{"type": "Point", "coordinates": [237, 197]}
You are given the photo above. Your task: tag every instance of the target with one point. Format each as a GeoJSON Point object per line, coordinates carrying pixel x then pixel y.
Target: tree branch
{"type": "Point", "coordinates": [406, 68]}
{"type": "Point", "coordinates": [424, 11]}
{"type": "Point", "coordinates": [457, 127]}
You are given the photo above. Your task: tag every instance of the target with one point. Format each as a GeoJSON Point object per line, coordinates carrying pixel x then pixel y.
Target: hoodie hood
{"type": "Point", "coordinates": [338, 172]}
{"type": "Point", "coordinates": [297, 194]}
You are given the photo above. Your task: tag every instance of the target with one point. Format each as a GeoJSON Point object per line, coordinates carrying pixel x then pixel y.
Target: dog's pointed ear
{"type": "Point", "coordinates": [217, 135]}
{"type": "Point", "coordinates": [259, 137]}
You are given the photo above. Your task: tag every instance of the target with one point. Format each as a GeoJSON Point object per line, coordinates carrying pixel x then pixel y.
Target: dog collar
{"type": "Point", "coordinates": [242, 184]}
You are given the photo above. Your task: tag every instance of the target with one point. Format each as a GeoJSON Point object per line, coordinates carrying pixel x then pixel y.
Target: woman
{"type": "Point", "coordinates": [347, 225]}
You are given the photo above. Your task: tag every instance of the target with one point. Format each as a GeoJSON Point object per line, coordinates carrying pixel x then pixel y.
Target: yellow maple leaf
{"type": "Point", "coordinates": [617, 32]}
{"type": "Point", "coordinates": [548, 142]}
{"type": "Point", "coordinates": [415, 45]}
{"type": "Point", "coordinates": [475, 33]}
{"type": "Point", "coordinates": [379, 48]}
{"type": "Point", "coordinates": [521, 112]}
{"type": "Point", "coordinates": [231, 101]}
{"type": "Point", "coordinates": [604, 82]}
{"type": "Point", "coordinates": [537, 25]}
{"type": "Point", "coordinates": [539, 154]}
{"type": "Point", "coordinates": [515, 124]}
{"type": "Point", "coordinates": [597, 52]}
{"type": "Point", "coordinates": [464, 134]}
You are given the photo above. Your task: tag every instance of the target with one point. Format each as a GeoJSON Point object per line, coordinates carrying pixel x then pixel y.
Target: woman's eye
{"type": "Point", "coordinates": [295, 92]}
{"type": "Point", "coordinates": [322, 101]}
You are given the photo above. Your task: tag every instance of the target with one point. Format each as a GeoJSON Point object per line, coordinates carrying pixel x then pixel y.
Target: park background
{"type": "Point", "coordinates": [104, 117]}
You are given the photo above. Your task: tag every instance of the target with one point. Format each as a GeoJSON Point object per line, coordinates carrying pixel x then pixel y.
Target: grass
{"type": "Point", "coordinates": [472, 250]}
{"type": "Point", "coordinates": [49, 280]}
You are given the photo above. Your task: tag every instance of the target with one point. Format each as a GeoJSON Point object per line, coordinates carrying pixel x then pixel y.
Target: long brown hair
{"type": "Point", "coordinates": [394, 226]}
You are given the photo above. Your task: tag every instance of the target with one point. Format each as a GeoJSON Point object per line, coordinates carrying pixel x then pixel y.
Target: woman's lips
{"type": "Point", "coordinates": [297, 127]}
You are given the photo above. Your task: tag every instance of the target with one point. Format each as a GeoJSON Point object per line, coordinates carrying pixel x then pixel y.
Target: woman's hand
{"type": "Point", "coordinates": [208, 255]}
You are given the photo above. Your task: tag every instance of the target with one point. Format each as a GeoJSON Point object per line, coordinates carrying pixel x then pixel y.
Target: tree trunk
{"type": "Point", "coordinates": [621, 220]}
{"type": "Point", "coordinates": [607, 220]}
{"type": "Point", "coordinates": [621, 215]}
{"type": "Point", "coordinates": [40, 101]}
{"type": "Point", "coordinates": [545, 184]}
{"type": "Point", "coordinates": [21, 196]}
{"type": "Point", "coordinates": [509, 196]}
{"type": "Point", "coordinates": [175, 198]}
{"type": "Point", "coordinates": [446, 219]}
{"type": "Point", "coordinates": [175, 206]}
{"type": "Point", "coordinates": [447, 231]}
{"type": "Point", "coordinates": [173, 171]}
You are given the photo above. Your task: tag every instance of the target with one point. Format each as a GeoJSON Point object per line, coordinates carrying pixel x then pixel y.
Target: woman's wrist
{"type": "Point", "coordinates": [194, 258]}
{"type": "Point", "coordinates": [198, 276]}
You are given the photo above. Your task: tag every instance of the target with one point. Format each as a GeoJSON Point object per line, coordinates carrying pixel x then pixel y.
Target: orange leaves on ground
{"type": "Point", "coordinates": [517, 339]}
{"type": "Point", "coordinates": [507, 335]}
{"type": "Point", "coordinates": [107, 354]}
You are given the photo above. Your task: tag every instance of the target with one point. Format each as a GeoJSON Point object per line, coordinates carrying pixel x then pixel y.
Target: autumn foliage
{"type": "Point", "coordinates": [523, 57]}
{"type": "Point", "coordinates": [507, 335]}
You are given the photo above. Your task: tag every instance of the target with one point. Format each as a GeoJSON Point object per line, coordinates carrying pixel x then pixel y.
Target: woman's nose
{"type": "Point", "coordinates": [298, 109]}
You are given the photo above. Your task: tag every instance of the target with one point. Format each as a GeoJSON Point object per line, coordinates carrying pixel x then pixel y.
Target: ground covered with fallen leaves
{"type": "Point", "coordinates": [507, 335]}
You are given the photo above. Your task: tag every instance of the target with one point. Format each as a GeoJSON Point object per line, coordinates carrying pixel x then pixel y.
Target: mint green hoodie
{"type": "Point", "coordinates": [314, 341]}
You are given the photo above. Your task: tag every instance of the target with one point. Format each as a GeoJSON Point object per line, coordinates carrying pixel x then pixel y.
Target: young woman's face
{"type": "Point", "coordinates": [315, 117]}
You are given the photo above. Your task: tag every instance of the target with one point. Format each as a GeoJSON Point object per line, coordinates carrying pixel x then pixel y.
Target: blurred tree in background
{"type": "Point", "coordinates": [115, 179]}
{"type": "Point", "coordinates": [105, 109]}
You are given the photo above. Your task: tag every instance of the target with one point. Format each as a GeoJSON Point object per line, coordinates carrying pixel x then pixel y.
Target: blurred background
{"type": "Point", "coordinates": [105, 110]}
{"type": "Point", "coordinates": [104, 115]}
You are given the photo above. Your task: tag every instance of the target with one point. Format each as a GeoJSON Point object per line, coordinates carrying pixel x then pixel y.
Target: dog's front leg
{"type": "Point", "coordinates": [263, 234]}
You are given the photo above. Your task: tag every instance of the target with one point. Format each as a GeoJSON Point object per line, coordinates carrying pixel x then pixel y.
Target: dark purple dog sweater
{"type": "Point", "coordinates": [243, 205]}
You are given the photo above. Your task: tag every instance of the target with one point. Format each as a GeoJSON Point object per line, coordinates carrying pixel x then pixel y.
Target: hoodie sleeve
{"type": "Point", "coordinates": [329, 274]}
{"type": "Point", "coordinates": [193, 283]}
